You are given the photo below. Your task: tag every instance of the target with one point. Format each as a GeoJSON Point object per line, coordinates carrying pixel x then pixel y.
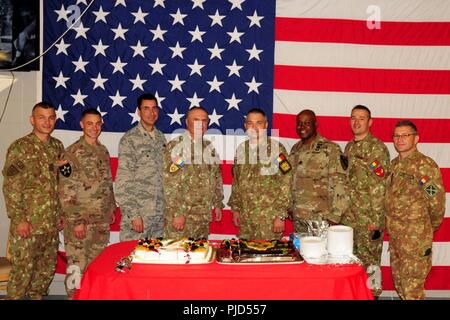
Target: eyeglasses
{"type": "Point", "coordinates": [402, 136]}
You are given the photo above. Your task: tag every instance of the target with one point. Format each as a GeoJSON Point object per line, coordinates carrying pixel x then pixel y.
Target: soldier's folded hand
{"type": "Point", "coordinates": [236, 219]}
{"type": "Point", "coordinates": [24, 229]}
{"type": "Point", "coordinates": [80, 231]}
{"type": "Point", "coordinates": [178, 223]}
{"type": "Point", "coordinates": [137, 225]}
{"type": "Point", "coordinates": [112, 217]}
{"type": "Point", "coordinates": [217, 214]}
{"type": "Point", "coordinates": [278, 225]}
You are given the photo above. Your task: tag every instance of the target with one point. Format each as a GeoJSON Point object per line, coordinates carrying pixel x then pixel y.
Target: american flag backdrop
{"type": "Point", "coordinates": [282, 56]}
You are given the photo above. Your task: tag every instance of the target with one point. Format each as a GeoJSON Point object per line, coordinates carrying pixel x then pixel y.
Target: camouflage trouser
{"type": "Point", "coordinates": [410, 255]}
{"type": "Point", "coordinates": [369, 251]}
{"type": "Point", "coordinates": [81, 252]}
{"type": "Point", "coordinates": [33, 265]}
{"type": "Point", "coordinates": [153, 228]}
{"type": "Point", "coordinates": [195, 226]}
{"type": "Point", "coordinates": [257, 225]}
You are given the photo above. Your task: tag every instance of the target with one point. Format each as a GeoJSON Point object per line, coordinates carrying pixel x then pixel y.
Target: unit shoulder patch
{"type": "Point", "coordinates": [177, 164]}
{"type": "Point", "coordinates": [65, 170]}
{"type": "Point", "coordinates": [377, 168]}
{"type": "Point", "coordinates": [431, 190]}
{"type": "Point", "coordinates": [283, 164]}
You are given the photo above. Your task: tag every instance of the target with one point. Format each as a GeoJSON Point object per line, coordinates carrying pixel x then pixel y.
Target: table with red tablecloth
{"type": "Point", "coordinates": [214, 281]}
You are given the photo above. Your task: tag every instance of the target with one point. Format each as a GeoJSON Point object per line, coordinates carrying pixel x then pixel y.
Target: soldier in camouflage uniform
{"type": "Point", "coordinates": [87, 199]}
{"type": "Point", "coordinates": [30, 190]}
{"type": "Point", "coordinates": [260, 194]}
{"type": "Point", "coordinates": [368, 162]}
{"type": "Point", "coordinates": [415, 203]}
{"type": "Point", "coordinates": [319, 188]}
{"type": "Point", "coordinates": [139, 181]}
{"type": "Point", "coordinates": [192, 180]}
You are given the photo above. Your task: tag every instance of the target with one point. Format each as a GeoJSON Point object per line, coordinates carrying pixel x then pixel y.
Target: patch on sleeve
{"type": "Point", "coordinates": [318, 147]}
{"type": "Point", "coordinates": [377, 168]}
{"type": "Point", "coordinates": [15, 168]}
{"type": "Point", "coordinates": [283, 164]}
{"type": "Point", "coordinates": [431, 190]}
{"type": "Point", "coordinates": [428, 186]}
{"type": "Point", "coordinates": [66, 170]}
{"type": "Point", "coordinates": [176, 165]}
{"type": "Point", "coordinates": [344, 162]}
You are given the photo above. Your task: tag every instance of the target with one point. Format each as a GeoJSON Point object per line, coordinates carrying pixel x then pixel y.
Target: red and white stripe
{"type": "Point", "coordinates": [327, 60]}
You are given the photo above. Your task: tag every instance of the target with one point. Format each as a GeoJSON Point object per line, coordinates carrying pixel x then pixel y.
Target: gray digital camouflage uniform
{"type": "Point", "coordinates": [139, 183]}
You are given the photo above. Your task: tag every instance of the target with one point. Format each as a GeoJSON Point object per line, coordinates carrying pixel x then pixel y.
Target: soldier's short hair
{"type": "Point", "coordinates": [146, 96]}
{"type": "Point", "coordinates": [361, 107]}
{"type": "Point", "coordinates": [43, 105]}
{"type": "Point", "coordinates": [406, 123]}
{"type": "Point", "coordinates": [195, 108]}
{"type": "Point", "coordinates": [90, 111]}
{"type": "Point", "coordinates": [257, 110]}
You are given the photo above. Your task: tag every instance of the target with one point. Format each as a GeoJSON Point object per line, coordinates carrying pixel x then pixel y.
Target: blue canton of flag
{"type": "Point", "coordinates": [216, 54]}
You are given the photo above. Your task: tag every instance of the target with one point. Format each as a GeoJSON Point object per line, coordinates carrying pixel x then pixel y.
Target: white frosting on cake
{"type": "Point", "coordinates": [172, 251]}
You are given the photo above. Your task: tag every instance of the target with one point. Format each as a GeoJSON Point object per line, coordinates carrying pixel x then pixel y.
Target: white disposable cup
{"type": "Point", "coordinates": [340, 240]}
{"type": "Point", "coordinates": [312, 247]}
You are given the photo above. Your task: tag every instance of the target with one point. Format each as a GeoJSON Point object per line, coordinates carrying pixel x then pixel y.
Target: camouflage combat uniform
{"type": "Point", "coordinates": [192, 187]}
{"type": "Point", "coordinates": [139, 182]}
{"type": "Point", "coordinates": [415, 203]}
{"type": "Point", "coordinates": [368, 163]}
{"type": "Point", "coordinates": [319, 189]}
{"type": "Point", "coordinates": [86, 197]}
{"type": "Point", "coordinates": [260, 191]}
{"type": "Point", "coordinates": [30, 190]}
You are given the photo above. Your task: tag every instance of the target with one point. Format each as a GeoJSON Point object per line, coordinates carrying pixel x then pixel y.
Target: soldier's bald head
{"type": "Point", "coordinates": [308, 112]}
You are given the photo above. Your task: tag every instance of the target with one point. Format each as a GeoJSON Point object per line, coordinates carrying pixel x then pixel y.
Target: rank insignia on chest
{"type": "Point", "coordinates": [176, 165]}
{"type": "Point", "coordinates": [66, 170]}
{"type": "Point", "coordinates": [318, 147]}
{"type": "Point", "coordinates": [283, 163]}
{"type": "Point", "coordinates": [377, 168]}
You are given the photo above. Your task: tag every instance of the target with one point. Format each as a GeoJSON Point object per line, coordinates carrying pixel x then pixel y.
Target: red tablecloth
{"type": "Point", "coordinates": [215, 281]}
